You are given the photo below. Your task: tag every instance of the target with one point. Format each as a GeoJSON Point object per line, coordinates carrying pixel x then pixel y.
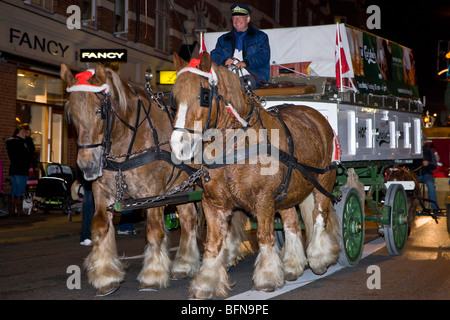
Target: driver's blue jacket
{"type": "Point", "coordinates": [256, 52]}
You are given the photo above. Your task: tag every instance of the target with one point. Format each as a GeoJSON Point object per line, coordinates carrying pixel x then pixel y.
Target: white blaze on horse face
{"type": "Point", "coordinates": [181, 120]}
{"type": "Point", "coordinates": [185, 145]}
{"type": "Point", "coordinates": [176, 140]}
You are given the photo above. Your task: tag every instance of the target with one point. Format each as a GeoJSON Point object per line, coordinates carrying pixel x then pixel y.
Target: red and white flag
{"type": "Point", "coordinates": [202, 45]}
{"type": "Point", "coordinates": [342, 66]}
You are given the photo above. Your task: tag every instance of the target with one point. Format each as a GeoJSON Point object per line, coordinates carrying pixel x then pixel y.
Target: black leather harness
{"type": "Point", "coordinates": [287, 158]}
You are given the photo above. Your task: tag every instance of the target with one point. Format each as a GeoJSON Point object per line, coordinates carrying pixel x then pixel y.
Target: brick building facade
{"type": "Point", "coordinates": [35, 38]}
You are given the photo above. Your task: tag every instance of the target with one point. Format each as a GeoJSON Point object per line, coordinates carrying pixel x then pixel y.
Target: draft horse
{"type": "Point", "coordinates": [210, 99]}
{"type": "Point", "coordinates": [112, 118]}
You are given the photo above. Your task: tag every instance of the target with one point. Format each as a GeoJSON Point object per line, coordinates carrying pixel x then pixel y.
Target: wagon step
{"type": "Point", "coordinates": [157, 201]}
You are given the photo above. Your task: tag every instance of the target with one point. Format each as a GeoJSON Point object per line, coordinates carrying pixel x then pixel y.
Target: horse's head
{"type": "Point", "coordinates": [85, 109]}
{"type": "Point", "coordinates": [199, 91]}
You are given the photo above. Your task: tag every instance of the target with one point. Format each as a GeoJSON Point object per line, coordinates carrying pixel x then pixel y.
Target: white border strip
{"type": "Point", "coordinates": [307, 277]}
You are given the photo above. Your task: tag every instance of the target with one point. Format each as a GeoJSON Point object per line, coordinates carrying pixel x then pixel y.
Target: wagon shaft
{"type": "Point", "coordinates": [158, 201]}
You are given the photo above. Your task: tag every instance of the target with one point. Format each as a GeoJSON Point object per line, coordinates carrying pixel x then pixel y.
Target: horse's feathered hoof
{"type": "Point", "coordinates": [319, 271]}
{"type": "Point", "coordinates": [179, 275]}
{"type": "Point", "coordinates": [107, 290]}
{"type": "Point", "coordinates": [201, 295]}
{"type": "Point", "coordinates": [290, 276]}
{"type": "Point", "coordinates": [265, 288]}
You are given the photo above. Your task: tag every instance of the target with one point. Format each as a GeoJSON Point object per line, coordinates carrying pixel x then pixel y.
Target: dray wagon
{"type": "Point", "coordinates": [374, 110]}
{"type": "Point", "coordinates": [365, 86]}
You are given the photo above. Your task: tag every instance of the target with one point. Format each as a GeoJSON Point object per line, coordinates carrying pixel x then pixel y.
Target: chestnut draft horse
{"type": "Point", "coordinates": [210, 98]}
{"type": "Point", "coordinates": [111, 118]}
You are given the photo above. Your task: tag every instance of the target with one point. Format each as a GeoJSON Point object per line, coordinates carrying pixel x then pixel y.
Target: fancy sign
{"type": "Point", "coordinates": [103, 55]}
{"type": "Point", "coordinates": [35, 42]}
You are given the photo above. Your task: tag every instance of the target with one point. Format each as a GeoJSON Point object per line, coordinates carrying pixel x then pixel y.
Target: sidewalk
{"type": "Point", "coordinates": [38, 226]}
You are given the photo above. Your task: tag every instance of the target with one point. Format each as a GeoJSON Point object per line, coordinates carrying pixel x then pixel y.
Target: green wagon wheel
{"type": "Point", "coordinates": [350, 213]}
{"type": "Point", "coordinates": [396, 232]}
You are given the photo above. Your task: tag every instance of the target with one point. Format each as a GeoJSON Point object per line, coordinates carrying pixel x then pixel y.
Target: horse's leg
{"type": "Point", "coordinates": [293, 252]}
{"type": "Point", "coordinates": [155, 273]}
{"type": "Point", "coordinates": [268, 274]}
{"type": "Point", "coordinates": [187, 259]}
{"type": "Point", "coordinates": [323, 250]}
{"type": "Point", "coordinates": [212, 278]}
{"type": "Point", "coordinates": [236, 241]}
{"type": "Point", "coordinates": [104, 268]}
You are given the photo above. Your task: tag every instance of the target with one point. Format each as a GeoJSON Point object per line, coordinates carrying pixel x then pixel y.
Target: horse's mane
{"type": "Point", "coordinates": [230, 87]}
{"type": "Point", "coordinates": [119, 88]}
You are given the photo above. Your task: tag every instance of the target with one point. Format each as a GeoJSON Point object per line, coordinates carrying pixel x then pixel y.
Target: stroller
{"type": "Point", "coordinates": [53, 189]}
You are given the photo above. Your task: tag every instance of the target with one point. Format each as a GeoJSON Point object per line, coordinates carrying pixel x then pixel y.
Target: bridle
{"type": "Point", "coordinates": [207, 97]}
{"type": "Point", "coordinates": [105, 105]}
{"type": "Point", "coordinates": [107, 111]}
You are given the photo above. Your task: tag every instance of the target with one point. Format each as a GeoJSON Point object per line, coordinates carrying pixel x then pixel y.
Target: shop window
{"type": "Point", "coordinates": [40, 104]}
{"type": "Point", "coordinates": [162, 25]}
{"type": "Point", "coordinates": [88, 13]}
{"type": "Point", "coordinates": [121, 18]}
{"type": "Point", "coordinates": [44, 4]}
{"type": "Point", "coordinates": [37, 87]}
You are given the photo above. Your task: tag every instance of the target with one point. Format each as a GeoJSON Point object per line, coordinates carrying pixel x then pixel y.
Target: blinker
{"type": "Point", "coordinates": [205, 97]}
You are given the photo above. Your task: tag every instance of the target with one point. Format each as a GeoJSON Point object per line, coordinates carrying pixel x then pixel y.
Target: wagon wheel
{"type": "Point", "coordinates": [350, 213]}
{"type": "Point", "coordinates": [396, 232]}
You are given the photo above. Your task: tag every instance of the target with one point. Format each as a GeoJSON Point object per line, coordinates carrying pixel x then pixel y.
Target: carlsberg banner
{"type": "Point", "coordinates": [381, 66]}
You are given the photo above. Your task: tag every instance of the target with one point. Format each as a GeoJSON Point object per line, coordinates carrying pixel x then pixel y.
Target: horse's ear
{"type": "Point", "coordinates": [66, 75]}
{"type": "Point", "coordinates": [178, 62]}
{"type": "Point", "coordinates": [205, 62]}
{"type": "Point", "coordinates": [99, 77]}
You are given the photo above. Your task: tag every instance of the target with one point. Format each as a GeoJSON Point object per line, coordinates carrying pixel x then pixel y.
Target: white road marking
{"type": "Point", "coordinates": [308, 276]}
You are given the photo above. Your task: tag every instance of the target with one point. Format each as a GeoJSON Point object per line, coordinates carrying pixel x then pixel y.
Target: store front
{"type": "Point", "coordinates": [40, 100]}
{"type": "Point", "coordinates": [33, 45]}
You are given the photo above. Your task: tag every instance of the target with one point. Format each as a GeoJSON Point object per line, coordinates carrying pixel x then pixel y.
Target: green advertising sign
{"type": "Point", "coordinates": [382, 67]}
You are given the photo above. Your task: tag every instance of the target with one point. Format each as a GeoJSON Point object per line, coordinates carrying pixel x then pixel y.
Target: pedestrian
{"type": "Point", "coordinates": [21, 160]}
{"type": "Point", "coordinates": [126, 226]}
{"type": "Point", "coordinates": [82, 188]}
{"type": "Point", "coordinates": [245, 49]}
{"type": "Point", "coordinates": [425, 173]}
